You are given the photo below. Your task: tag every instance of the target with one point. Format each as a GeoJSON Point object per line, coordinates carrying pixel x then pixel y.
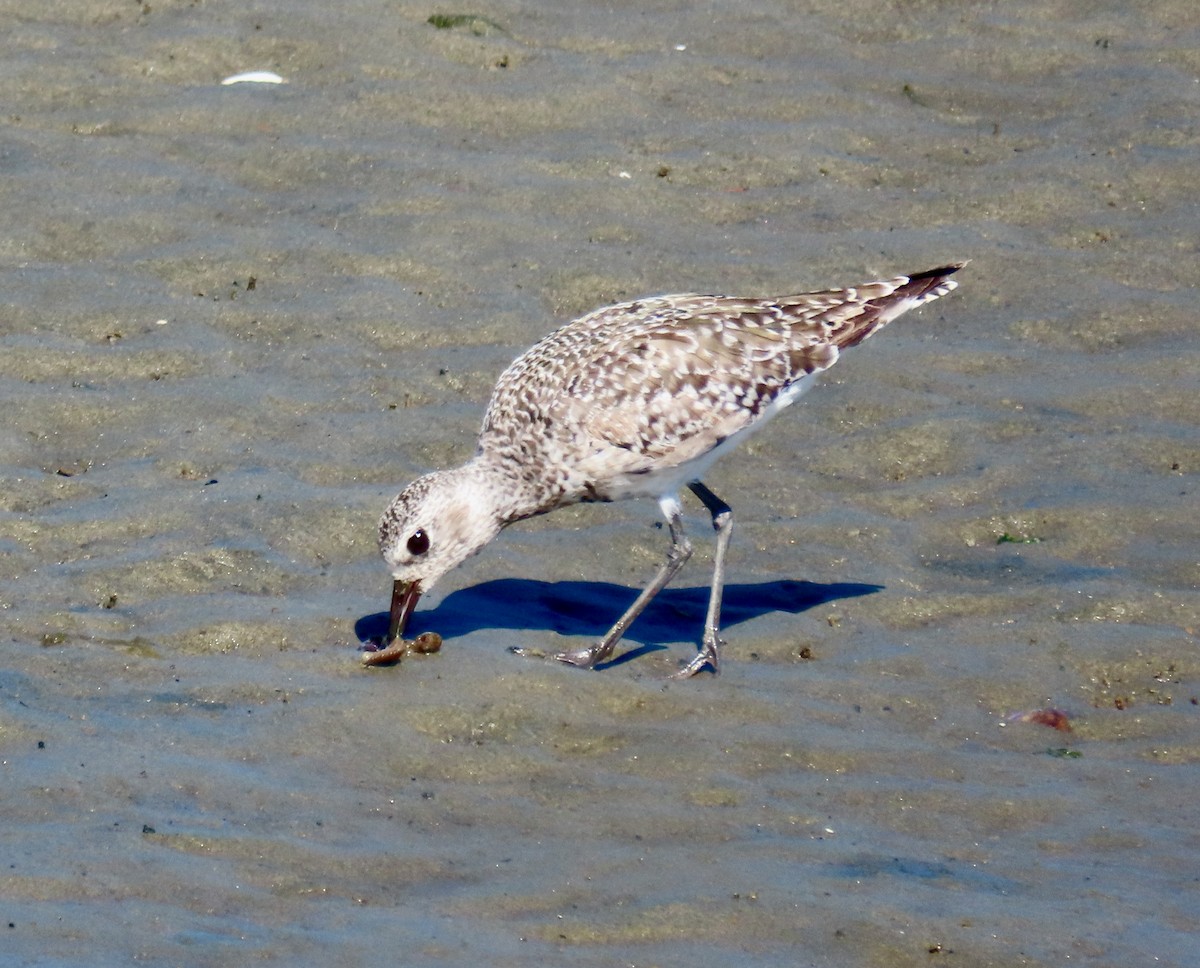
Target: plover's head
{"type": "Point", "coordinates": [432, 526]}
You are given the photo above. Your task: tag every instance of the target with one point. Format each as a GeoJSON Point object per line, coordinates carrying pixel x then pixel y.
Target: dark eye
{"type": "Point", "coordinates": [418, 542]}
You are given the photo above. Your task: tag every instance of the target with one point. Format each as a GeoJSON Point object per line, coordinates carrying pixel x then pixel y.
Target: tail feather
{"type": "Point", "coordinates": [927, 286]}
{"type": "Point", "coordinates": [909, 292]}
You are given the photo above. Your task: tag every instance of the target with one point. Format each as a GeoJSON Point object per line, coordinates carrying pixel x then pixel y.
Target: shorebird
{"type": "Point", "coordinates": [633, 400]}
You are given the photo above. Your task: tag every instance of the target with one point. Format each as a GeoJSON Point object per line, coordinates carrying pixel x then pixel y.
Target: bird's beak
{"type": "Point", "coordinates": [404, 600]}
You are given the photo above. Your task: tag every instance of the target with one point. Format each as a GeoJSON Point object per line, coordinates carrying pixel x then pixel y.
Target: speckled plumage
{"type": "Point", "coordinates": [633, 400]}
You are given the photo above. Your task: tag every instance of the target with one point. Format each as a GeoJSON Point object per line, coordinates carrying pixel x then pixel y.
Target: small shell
{"type": "Point", "coordinates": [254, 77]}
{"type": "Point", "coordinates": [426, 643]}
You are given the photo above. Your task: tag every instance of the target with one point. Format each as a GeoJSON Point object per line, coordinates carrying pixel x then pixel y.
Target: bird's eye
{"type": "Point", "coordinates": [418, 542]}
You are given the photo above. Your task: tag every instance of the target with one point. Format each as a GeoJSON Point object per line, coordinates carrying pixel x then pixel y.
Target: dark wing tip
{"type": "Point", "coordinates": [939, 273]}
{"type": "Point", "coordinates": [928, 285]}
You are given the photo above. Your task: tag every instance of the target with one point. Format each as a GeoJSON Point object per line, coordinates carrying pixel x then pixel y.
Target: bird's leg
{"type": "Point", "coordinates": [722, 519]}
{"type": "Point", "coordinates": [677, 555]}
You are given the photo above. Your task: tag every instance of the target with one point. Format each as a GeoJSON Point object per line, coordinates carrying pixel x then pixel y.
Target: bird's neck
{"type": "Point", "coordinates": [516, 489]}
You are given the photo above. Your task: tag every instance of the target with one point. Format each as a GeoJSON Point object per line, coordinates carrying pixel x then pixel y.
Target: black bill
{"type": "Point", "coordinates": [404, 600]}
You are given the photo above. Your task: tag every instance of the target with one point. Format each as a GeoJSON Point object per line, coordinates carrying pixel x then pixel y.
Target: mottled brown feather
{"type": "Point", "coordinates": [655, 383]}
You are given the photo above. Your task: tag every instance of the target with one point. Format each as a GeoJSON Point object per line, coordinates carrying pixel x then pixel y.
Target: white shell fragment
{"type": "Point", "coordinates": [254, 77]}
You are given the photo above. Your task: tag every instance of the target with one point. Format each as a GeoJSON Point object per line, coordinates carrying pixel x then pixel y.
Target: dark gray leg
{"type": "Point", "coordinates": [678, 554]}
{"type": "Point", "coordinates": [722, 519]}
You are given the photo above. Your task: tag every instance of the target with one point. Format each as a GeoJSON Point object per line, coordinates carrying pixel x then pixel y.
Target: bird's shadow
{"type": "Point", "coordinates": [588, 609]}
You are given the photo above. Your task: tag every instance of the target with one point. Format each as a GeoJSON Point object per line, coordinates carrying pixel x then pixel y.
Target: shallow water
{"type": "Point", "coordinates": [237, 319]}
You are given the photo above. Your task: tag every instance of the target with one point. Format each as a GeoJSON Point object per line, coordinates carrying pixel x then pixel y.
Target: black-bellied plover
{"type": "Point", "coordinates": [634, 400]}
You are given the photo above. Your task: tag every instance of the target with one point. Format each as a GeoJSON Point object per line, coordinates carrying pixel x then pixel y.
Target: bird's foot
{"type": "Point", "coordinates": [580, 658]}
{"type": "Point", "coordinates": [707, 656]}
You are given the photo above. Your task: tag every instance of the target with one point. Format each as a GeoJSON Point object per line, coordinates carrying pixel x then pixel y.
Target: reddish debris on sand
{"type": "Point", "coordinates": [1054, 718]}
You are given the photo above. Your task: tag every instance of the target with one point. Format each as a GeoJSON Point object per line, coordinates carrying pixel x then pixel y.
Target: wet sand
{"type": "Point", "coordinates": [236, 319]}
